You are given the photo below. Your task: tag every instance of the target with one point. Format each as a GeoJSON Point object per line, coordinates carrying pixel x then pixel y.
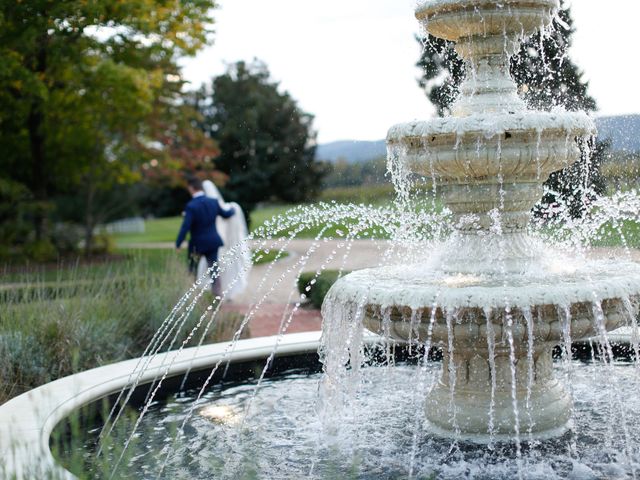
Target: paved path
{"type": "Point", "coordinates": [274, 286]}
{"type": "Point", "coordinates": [276, 282]}
{"type": "Point", "coordinates": [268, 319]}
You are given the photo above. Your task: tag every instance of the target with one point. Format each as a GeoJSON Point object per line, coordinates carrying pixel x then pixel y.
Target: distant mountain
{"type": "Point", "coordinates": [624, 131]}
{"type": "Point", "coordinates": [353, 151]}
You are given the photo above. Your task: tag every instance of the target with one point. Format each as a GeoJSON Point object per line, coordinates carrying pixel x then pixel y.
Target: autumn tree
{"type": "Point", "coordinates": [78, 82]}
{"type": "Point", "coordinates": [181, 149]}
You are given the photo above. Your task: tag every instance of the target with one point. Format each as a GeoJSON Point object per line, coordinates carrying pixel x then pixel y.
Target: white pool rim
{"type": "Point", "coordinates": [27, 421]}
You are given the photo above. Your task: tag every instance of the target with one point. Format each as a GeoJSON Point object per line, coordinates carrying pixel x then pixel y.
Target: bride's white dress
{"type": "Point", "coordinates": [235, 266]}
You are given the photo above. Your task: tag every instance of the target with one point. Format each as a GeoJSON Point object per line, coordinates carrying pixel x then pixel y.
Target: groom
{"type": "Point", "coordinates": [200, 221]}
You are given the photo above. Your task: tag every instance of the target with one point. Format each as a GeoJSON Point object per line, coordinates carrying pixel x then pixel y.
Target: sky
{"type": "Point", "coordinates": [351, 63]}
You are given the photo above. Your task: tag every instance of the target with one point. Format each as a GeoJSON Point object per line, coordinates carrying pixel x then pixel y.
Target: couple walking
{"type": "Point", "coordinates": [215, 226]}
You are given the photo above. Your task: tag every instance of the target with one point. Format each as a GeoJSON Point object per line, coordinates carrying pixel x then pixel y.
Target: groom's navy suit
{"type": "Point", "coordinates": [200, 220]}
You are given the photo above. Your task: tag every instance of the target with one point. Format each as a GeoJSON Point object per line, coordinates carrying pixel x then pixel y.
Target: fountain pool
{"type": "Point", "coordinates": [381, 436]}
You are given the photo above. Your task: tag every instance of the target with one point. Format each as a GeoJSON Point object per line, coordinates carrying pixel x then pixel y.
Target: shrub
{"type": "Point", "coordinates": [16, 206]}
{"type": "Point", "coordinates": [103, 244]}
{"type": "Point", "coordinates": [315, 286]}
{"type": "Point", "coordinates": [40, 251]}
{"type": "Point", "coordinates": [66, 237]}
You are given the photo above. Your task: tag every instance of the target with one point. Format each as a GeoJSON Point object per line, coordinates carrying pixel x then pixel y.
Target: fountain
{"type": "Point", "coordinates": [492, 295]}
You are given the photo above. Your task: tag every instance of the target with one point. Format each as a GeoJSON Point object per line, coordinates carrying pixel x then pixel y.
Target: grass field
{"type": "Point", "coordinates": [60, 319]}
{"type": "Point", "coordinates": [626, 233]}
{"type": "Point", "coordinates": [164, 230]}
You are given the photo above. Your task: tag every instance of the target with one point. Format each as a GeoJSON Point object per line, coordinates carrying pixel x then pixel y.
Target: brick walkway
{"type": "Point", "coordinates": [267, 319]}
{"type": "Point", "coordinates": [280, 280]}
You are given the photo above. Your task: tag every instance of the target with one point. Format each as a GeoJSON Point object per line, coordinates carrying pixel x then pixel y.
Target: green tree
{"type": "Point", "coordinates": [78, 82]}
{"type": "Point", "coordinates": [267, 142]}
{"type": "Point", "coordinates": [547, 78]}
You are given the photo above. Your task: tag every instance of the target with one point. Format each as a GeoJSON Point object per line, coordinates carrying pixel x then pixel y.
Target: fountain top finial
{"type": "Point", "coordinates": [486, 33]}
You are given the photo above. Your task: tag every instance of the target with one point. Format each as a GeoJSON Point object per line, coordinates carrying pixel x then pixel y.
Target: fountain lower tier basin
{"type": "Point", "coordinates": [497, 333]}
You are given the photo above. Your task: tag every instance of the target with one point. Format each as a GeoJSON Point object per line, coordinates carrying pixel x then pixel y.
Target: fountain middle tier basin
{"type": "Point", "coordinates": [497, 332]}
{"type": "Point", "coordinates": [484, 162]}
{"type": "Point", "coordinates": [520, 146]}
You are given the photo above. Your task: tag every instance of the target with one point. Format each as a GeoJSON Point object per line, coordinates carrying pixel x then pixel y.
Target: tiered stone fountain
{"type": "Point", "coordinates": [491, 296]}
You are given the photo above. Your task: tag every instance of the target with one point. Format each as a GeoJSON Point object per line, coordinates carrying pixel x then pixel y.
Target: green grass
{"type": "Point", "coordinates": [261, 215]}
{"type": "Point", "coordinates": [93, 316]}
{"type": "Point", "coordinates": [165, 230]}
{"type": "Point", "coordinates": [55, 322]}
{"type": "Point", "coordinates": [610, 236]}
{"type": "Point", "coordinates": [377, 194]}
{"type": "Point", "coordinates": [157, 230]}
{"type": "Point", "coordinates": [261, 257]}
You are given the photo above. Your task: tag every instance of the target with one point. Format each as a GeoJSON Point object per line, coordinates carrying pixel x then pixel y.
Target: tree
{"type": "Point", "coordinates": [181, 149]}
{"type": "Point", "coordinates": [78, 82]}
{"type": "Point", "coordinates": [546, 78]}
{"type": "Point", "coordinates": [267, 143]}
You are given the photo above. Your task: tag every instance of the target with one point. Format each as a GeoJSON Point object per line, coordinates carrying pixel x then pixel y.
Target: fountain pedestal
{"type": "Point", "coordinates": [476, 407]}
{"type": "Point", "coordinates": [494, 380]}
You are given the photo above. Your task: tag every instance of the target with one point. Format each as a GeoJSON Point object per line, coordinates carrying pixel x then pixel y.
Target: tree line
{"type": "Point", "coordinates": [96, 121]}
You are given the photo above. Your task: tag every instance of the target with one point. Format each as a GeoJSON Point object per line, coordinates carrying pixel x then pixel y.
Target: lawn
{"type": "Point", "coordinates": [57, 321]}
{"type": "Point", "coordinates": [157, 230]}
{"type": "Point", "coordinates": [625, 233]}
{"type": "Point", "coordinates": [164, 230]}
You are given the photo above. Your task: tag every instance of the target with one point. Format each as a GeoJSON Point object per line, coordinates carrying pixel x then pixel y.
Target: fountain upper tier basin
{"type": "Point", "coordinates": [460, 19]}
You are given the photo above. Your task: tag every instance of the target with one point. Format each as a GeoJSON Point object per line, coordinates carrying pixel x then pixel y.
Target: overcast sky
{"type": "Point", "coordinates": [351, 63]}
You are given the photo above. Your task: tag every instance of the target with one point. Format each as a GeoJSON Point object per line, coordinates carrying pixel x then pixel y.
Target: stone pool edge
{"type": "Point", "coordinates": [26, 421]}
